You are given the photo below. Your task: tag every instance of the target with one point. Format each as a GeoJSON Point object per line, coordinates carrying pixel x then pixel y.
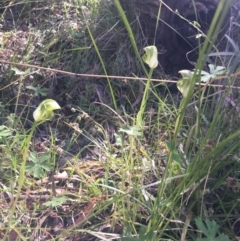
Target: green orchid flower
{"type": "Point", "coordinates": [45, 110]}
{"type": "Point", "coordinates": [151, 56]}
{"type": "Point", "coordinates": [183, 84]}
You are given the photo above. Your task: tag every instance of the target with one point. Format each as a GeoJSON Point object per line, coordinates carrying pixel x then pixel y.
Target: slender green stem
{"type": "Point", "coordinates": [21, 177]}
{"type": "Point", "coordinates": [130, 34]}
{"type": "Point", "coordinates": [144, 100]}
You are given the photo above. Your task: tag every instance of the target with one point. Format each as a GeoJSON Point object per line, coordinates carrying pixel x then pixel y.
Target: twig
{"type": "Point", "coordinates": [117, 77]}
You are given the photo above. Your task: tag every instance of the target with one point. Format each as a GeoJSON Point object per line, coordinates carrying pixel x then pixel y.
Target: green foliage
{"type": "Point", "coordinates": [141, 181]}
{"type": "Point", "coordinates": [39, 165]}
{"type": "Point", "coordinates": [4, 132]}
{"type": "Point", "coordinates": [214, 71]}
{"type": "Point", "coordinates": [38, 91]}
{"type": "Point", "coordinates": [211, 230]}
{"type": "Point", "coordinates": [19, 72]}
{"type": "Point", "coordinates": [177, 163]}
{"type": "Point", "coordinates": [144, 234]}
{"type": "Point", "coordinates": [131, 131]}
{"type": "Point", "coordinates": [56, 201]}
{"type": "Point", "coordinates": [234, 60]}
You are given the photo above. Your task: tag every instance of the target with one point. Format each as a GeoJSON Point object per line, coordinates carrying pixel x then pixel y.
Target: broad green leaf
{"type": "Point", "coordinates": [131, 130]}
{"type": "Point", "coordinates": [118, 139]}
{"type": "Point", "coordinates": [175, 167]}
{"type": "Point", "coordinates": [213, 72]}
{"type": "Point", "coordinates": [175, 154]}
{"type": "Point", "coordinates": [33, 156]}
{"type": "Point", "coordinates": [38, 170]}
{"type": "Point", "coordinates": [56, 201]}
{"type": "Point", "coordinates": [45, 157]}
{"type": "Point", "coordinates": [4, 131]}
{"type": "Point", "coordinates": [210, 230]}
{"type": "Point", "coordinates": [19, 72]}
{"type": "Point", "coordinates": [151, 56]}
{"type": "Point", "coordinates": [38, 90]}
{"type": "Point", "coordinates": [39, 165]}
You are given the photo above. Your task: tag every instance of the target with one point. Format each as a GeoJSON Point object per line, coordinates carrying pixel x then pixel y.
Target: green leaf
{"type": "Point", "coordinates": [213, 72]}
{"type": "Point", "coordinates": [4, 131]}
{"type": "Point", "coordinates": [131, 130]}
{"type": "Point", "coordinates": [175, 154]}
{"type": "Point", "coordinates": [44, 157]}
{"type": "Point", "coordinates": [210, 229]}
{"type": "Point", "coordinates": [235, 60]}
{"type": "Point", "coordinates": [38, 90]}
{"type": "Point", "coordinates": [39, 165]}
{"type": "Point", "coordinates": [151, 56]}
{"type": "Point", "coordinates": [56, 201]}
{"type": "Point", "coordinates": [118, 139]}
{"type": "Point", "coordinates": [175, 168]}
{"type": "Point", "coordinates": [19, 72]}
{"type": "Point", "coordinates": [33, 156]}
{"type": "Point", "coordinates": [177, 161]}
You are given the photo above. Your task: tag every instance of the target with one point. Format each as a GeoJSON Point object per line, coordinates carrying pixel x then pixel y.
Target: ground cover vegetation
{"type": "Point", "coordinates": [130, 153]}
